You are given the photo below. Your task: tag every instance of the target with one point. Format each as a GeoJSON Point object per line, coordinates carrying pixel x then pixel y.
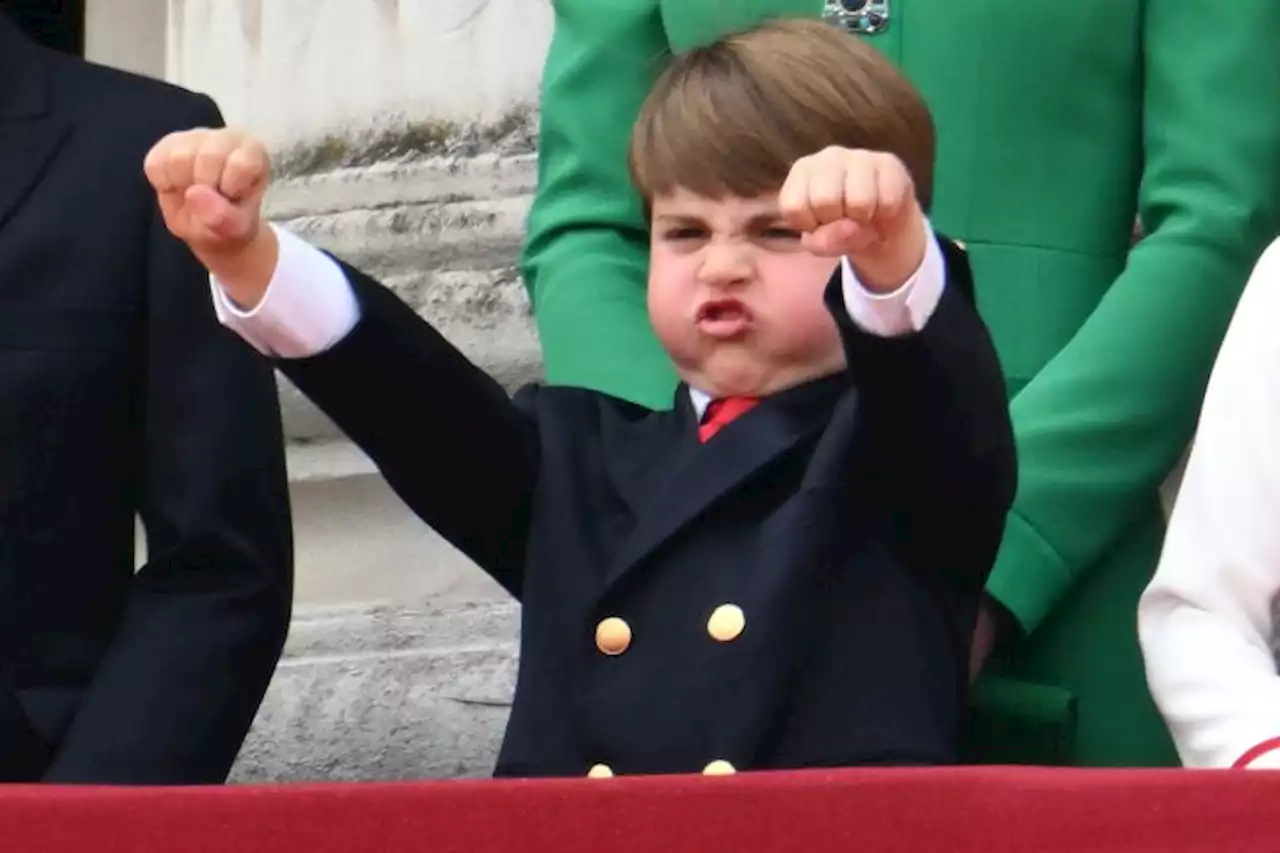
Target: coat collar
{"type": "Point", "coordinates": [669, 478]}
{"type": "Point", "coordinates": [24, 75]}
{"type": "Point", "coordinates": [29, 133]}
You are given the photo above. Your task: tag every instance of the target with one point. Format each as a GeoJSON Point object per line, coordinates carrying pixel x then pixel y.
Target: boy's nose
{"type": "Point", "coordinates": [726, 266]}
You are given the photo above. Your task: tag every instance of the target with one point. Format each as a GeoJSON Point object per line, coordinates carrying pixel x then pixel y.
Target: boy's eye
{"type": "Point", "coordinates": [685, 233]}
{"type": "Point", "coordinates": [780, 234]}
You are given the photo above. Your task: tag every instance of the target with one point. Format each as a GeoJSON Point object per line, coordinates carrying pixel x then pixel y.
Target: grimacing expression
{"type": "Point", "coordinates": [735, 300]}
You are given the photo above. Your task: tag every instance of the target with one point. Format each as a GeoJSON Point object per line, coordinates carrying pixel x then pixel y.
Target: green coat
{"type": "Point", "coordinates": [1057, 124]}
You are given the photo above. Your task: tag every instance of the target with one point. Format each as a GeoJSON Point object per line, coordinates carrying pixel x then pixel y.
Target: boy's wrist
{"type": "Point", "coordinates": [889, 271]}
{"type": "Point", "coordinates": [245, 273]}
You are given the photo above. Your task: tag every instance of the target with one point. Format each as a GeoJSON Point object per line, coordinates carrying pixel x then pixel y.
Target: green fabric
{"type": "Point", "coordinates": [1014, 722]}
{"type": "Point", "coordinates": [1057, 124]}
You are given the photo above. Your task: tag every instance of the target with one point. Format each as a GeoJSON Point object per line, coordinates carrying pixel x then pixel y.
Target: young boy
{"type": "Point", "coordinates": [794, 588]}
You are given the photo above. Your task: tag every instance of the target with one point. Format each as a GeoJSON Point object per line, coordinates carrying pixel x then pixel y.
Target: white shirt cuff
{"type": "Point", "coordinates": [906, 309]}
{"type": "Point", "coordinates": [308, 307]}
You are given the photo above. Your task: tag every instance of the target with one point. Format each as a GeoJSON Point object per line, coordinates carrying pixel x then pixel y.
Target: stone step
{"type": "Point", "coordinates": [483, 313]}
{"type": "Point", "coordinates": [440, 213]}
{"type": "Point", "coordinates": [323, 631]}
{"type": "Point", "coordinates": [421, 236]}
{"type": "Point", "coordinates": [402, 653]}
{"type": "Point", "coordinates": [373, 721]}
{"type": "Point", "coordinates": [317, 463]}
{"type": "Point", "coordinates": [383, 185]}
{"type": "Point", "coordinates": [357, 543]}
{"type": "Point", "coordinates": [384, 694]}
{"type": "Point", "coordinates": [445, 235]}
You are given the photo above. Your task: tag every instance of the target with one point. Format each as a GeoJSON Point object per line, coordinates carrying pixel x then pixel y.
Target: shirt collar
{"type": "Point", "coordinates": [700, 401]}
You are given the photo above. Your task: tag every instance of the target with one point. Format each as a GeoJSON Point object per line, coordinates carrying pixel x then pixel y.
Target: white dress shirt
{"type": "Point", "coordinates": [1207, 621]}
{"type": "Point", "coordinates": [309, 305]}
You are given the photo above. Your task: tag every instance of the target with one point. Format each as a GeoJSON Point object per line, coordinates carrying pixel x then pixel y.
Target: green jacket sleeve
{"type": "Point", "coordinates": [585, 258]}
{"type": "Point", "coordinates": [1106, 419]}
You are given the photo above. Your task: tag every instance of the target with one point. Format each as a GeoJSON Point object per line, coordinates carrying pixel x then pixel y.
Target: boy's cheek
{"type": "Point", "coordinates": [802, 276]}
{"type": "Point", "coordinates": [669, 279]}
{"type": "Point", "coordinates": [666, 297]}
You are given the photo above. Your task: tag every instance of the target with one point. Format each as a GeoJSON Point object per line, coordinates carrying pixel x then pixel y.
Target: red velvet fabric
{"type": "Point", "coordinates": [965, 810]}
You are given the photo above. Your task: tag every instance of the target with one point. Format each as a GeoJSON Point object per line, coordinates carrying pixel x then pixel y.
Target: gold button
{"type": "Point", "coordinates": [613, 636]}
{"type": "Point", "coordinates": [600, 771]}
{"type": "Point", "coordinates": [719, 767]}
{"type": "Point", "coordinates": [726, 623]}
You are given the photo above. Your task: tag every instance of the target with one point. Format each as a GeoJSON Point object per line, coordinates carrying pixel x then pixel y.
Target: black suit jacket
{"type": "Point", "coordinates": [853, 520]}
{"type": "Point", "coordinates": [120, 394]}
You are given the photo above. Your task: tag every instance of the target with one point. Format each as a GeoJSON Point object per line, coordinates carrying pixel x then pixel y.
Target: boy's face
{"type": "Point", "coordinates": [734, 299]}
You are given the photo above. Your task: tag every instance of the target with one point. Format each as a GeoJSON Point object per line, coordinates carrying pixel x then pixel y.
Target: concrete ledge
{"type": "Point", "coordinates": [421, 236]}
{"type": "Point", "coordinates": [357, 544]}
{"type": "Point", "coordinates": [438, 179]}
{"type": "Point", "coordinates": [321, 632]}
{"type": "Point", "coordinates": [485, 314]}
{"type": "Point", "coordinates": [444, 233]}
{"type": "Point", "coordinates": [317, 463]}
{"type": "Point", "coordinates": [388, 694]}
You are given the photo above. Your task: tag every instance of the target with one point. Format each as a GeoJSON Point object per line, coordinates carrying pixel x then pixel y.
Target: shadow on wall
{"type": "Point", "coordinates": [58, 24]}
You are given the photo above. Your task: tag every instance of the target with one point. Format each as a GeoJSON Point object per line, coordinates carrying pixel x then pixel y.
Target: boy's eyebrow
{"type": "Point", "coordinates": [760, 220]}
{"type": "Point", "coordinates": [769, 217]}
{"type": "Point", "coordinates": [679, 219]}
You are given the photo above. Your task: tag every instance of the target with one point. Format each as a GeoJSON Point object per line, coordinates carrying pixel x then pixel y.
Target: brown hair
{"type": "Point", "coordinates": [732, 117]}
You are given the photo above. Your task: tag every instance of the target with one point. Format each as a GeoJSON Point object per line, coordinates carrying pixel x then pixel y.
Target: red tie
{"type": "Point", "coordinates": [720, 412]}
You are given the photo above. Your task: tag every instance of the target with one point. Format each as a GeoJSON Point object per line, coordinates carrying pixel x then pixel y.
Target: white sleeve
{"type": "Point", "coordinates": [906, 309]}
{"type": "Point", "coordinates": [1206, 621]}
{"type": "Point", "coordinates": [308, 307]}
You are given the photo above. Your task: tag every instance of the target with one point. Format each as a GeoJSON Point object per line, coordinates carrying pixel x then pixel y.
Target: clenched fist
{"type": "Point", "coordinates": [861, 205]}
{"type": "Point", "coordinates": [210, 185]}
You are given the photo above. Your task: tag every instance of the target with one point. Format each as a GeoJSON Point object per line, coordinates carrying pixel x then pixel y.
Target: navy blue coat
{"type": "Point", "coordinates": [840, 533]}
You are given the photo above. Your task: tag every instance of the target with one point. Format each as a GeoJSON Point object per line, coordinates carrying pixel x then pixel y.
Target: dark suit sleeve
{"type": "Point", "coordinates": [445, 435]}
{"type": "Point", "coordinates": [939, 450]}
{"type": "Point", "coordinates": [207, 617]}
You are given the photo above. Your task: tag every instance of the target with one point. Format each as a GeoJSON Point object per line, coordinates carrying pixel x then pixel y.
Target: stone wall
{"type": "Point", "coordinates": [402, 134]}
{"type": "Point", "coordinates": [443, 231]}
{"type": "Point", "coordinates": [401, 658]}
{"type": "Point", "coordinates": [301, 70]}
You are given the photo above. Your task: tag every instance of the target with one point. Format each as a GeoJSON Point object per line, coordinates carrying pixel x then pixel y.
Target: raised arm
{"type": "Point", "coordinates": [930, 394]}
{"type": "Point", "coordinates": [445, 435]}
{"type": "Point", "coordinates": [939, 439]}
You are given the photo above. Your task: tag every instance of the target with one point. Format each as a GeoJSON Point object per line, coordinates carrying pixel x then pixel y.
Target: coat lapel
{"type": "Point", "coordinates": [670, 478]}
{"type": "Point", "coordinates": [642, 452]}
{"type": "Point", "coordinates": [29, 135]}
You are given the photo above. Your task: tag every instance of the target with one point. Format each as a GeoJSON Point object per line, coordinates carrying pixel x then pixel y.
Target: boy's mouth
{"type": "Point", "coordinates": [722, 318]}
